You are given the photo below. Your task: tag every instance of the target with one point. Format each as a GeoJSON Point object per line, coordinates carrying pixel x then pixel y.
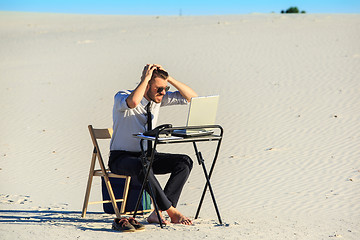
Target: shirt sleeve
{"type": "Point", "coordinates": [120, 101]}
{"type": "Point", "coordinates": [173, 98]}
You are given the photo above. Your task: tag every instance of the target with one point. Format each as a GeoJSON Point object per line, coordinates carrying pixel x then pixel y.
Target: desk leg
{"type": "Point", "coordinates": [202, 163]}
{"type": "Point", "coordinates": [146, 171]}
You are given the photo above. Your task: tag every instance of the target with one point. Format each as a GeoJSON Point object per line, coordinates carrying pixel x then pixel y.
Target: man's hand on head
{"type": "Point", "coordinates": [159, 67]}
{"type": "Point", "coordinates": [147, 72]}
{"type": "Point", "coordinates": [139, 92]}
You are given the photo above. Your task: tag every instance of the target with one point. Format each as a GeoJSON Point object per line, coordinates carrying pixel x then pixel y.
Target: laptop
{"type": "Point", "coordinates": [202, 111]}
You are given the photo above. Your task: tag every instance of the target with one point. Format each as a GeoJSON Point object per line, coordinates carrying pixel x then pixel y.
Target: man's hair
{"type": "Point", "coordinates": [159, 73]}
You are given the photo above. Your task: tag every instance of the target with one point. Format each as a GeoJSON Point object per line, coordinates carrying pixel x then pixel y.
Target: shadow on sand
{"type": "Point", "coordinates": [96, 221]}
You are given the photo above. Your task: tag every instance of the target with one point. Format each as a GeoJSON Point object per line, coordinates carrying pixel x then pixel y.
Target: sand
{"type": "Point", "coordinates": [289, 166]}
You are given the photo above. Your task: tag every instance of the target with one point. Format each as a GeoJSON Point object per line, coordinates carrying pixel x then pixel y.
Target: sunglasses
{"type": "Point", "coordinates": [161, 89]}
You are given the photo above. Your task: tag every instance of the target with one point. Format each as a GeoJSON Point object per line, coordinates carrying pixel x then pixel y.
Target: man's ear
{"type": "Point", "coordinates": [146, 92]}
{"type": "Point", "coordinates": [147, 88]}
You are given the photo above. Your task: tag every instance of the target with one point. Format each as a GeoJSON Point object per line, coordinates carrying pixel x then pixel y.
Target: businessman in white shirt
{"type": "Point", "coordinates": [130, 112]}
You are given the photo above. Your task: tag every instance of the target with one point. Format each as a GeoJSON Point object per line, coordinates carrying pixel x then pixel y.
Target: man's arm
{"type": "Point", "coordinates": [184, 90]}
{"type": "Point", "coordinates": [137, 95]}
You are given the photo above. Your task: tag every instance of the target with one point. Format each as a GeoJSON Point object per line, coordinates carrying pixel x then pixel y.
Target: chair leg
{"type": "Point", "coordinates": [112, 196]}
{"type": "Point", "coordinates": [88, 188]}
{"type": "Point", "coordinates": [125, 194]}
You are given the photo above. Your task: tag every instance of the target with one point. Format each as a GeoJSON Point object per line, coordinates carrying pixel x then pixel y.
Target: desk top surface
{"type": "Point", "coordinates": [175, 139]}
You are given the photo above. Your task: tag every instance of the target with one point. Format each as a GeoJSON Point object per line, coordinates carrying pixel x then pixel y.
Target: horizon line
{"type": "Point", "coordinates": [178, 15]}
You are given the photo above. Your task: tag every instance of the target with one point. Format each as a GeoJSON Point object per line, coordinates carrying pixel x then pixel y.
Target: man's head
{"type": "Point", "coordinates": [157, 86]}
{"type": "Point", "coordinates": [159, 73]}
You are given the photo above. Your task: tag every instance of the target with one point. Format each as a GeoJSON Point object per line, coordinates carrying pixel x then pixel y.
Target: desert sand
{"type": "Point", "coordinates": [289, 166]}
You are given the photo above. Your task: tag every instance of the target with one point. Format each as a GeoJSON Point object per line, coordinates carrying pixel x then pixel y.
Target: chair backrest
{"type": "Point", "coordinates": [95, 134]}
{"type": "Point", "coordinates": [101, 133]}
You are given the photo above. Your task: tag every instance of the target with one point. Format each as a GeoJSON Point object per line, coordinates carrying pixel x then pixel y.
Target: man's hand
{"type": "Point", "coordinates": [159, 67]}
{"type": "Point", "coordinates": [135, 97]}
{"type": "Point", "coordinates": [148, 71]}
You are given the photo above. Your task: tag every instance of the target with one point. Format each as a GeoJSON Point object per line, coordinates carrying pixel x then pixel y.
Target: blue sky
{"type": "Point", "coordinates": [185, 7]}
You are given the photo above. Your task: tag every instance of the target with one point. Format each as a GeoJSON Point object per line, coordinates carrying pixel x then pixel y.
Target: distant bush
{"type": "Point", "coordinates": [292, 10]}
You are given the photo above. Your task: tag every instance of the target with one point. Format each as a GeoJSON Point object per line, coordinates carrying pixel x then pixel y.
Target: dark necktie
{"type": "Point", "coordinates": [149, 127]}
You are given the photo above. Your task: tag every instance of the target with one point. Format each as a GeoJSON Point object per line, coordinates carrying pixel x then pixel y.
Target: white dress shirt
{"type": "Point", "coordinates": [127, 121]}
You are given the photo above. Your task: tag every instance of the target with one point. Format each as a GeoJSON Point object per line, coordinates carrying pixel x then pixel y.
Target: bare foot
{"type": "Point", "coordinates": [182, 220]}
{"type": "Point", "coordinates": [177, 217]}
{"type": "Point", "coordinates": [153, 218]}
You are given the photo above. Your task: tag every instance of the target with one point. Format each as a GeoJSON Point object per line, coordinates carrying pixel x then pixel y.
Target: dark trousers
{"type": "Point", "coordinates": [178, 165]}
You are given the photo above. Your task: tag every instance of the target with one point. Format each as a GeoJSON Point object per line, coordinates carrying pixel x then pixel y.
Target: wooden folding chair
{"type": "Point", "coordinates": [105, 173]}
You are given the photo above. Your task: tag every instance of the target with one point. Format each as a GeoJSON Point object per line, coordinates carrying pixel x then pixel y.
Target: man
{"type": "Point", "coordinates": [129, 117]}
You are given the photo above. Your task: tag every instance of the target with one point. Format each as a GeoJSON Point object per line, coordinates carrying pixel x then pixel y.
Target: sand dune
{"type": "Point", "coordinates": [290, 97]}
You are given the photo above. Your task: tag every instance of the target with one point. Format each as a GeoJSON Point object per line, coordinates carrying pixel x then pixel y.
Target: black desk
{"type": "Point", "coordinates": [217, 136]}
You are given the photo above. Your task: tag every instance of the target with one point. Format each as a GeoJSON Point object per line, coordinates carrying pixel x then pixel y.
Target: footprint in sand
{"type": "Point", "coordinates": [14, 199]}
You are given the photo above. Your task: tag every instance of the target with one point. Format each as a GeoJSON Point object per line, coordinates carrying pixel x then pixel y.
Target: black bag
{"type": "Point", "coordinates": [118, 188]}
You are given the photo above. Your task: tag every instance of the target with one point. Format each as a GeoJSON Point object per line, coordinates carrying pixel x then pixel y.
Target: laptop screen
{"type": "Point", "coordinates": [202, 111]}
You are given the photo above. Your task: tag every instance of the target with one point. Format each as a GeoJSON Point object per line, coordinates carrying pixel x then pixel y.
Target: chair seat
{"type": "Point", "coordinates": [99, 173]}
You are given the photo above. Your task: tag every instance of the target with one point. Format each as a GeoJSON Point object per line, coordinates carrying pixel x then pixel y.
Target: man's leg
{"type": "Point", "coordinates": [128, 163]}
{"type": "Point", "coordinates": [179, 166]}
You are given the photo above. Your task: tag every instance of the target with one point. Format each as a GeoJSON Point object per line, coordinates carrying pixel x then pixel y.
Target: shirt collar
{"type": "Point", "coordinates": [144, 102]}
